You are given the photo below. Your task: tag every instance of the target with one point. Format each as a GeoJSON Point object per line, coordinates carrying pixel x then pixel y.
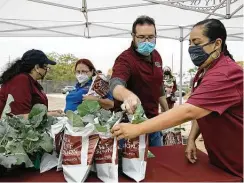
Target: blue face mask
{"type": "Point", "coordinates": [145, 48]}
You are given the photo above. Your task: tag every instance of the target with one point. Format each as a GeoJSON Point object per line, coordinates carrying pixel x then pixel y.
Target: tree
{"type": "Point", "coordinates": [192, 71]}
{"type": "Point", "coordinates": [64, 69]}
{"type": "Point", "coordinates": [240, 63]}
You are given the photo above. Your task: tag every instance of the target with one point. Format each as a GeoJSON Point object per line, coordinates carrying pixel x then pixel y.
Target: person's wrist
{"type": "Point", "coordinates": [140, 128]}
{"type": "Point", "coordinates": [191, 139]}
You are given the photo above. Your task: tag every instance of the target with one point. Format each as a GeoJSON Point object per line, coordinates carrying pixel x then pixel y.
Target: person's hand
{"type": "Point", "coordinates": [191, 151]}
{"type": "Point", "coordinates": [56, 113]}
{"type": "Point", "coordinates": [90, 97]}
{"type": "Point", "coordinates": [125, 131]}
{"type": "Point", "coordinates": [130, 103]}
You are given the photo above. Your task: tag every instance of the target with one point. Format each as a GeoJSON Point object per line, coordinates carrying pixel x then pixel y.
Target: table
{"type": "Point", "coordinates": [169, 165]}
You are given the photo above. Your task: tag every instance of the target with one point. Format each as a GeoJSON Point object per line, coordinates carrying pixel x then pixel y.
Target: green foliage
{"type": "Point", "coordinates": [91, 112]}
{"type": "Point", "coordinates": [88, 107]}
{"type": "Point", "coordinates": [139, 115]}
{"type": "Point", "coordinates": [23, 138]}
{"type": "Point", "coordinates": [64, 69]}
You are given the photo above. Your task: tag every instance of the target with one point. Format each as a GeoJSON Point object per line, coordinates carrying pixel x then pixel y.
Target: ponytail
{"type": "Point", "coordinates": [227, 53]}
{"type": "Point", "coordinates": [17, 67]}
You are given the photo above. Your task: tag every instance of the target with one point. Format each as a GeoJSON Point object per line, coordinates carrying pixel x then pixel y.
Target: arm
{"type": "Point", "coordinates": [106, 103]}
{"type": "Point", "coordinates": [162, 100]}
{"type": "Point", "coordinates": [191, 149]}
{"type": "Point", "coordinates": [121, 93]}
{"type": "Point", "coordinates": [195, 131]}
{"type": "Point", "coordinates": [206, 98]}
{"type": "Point", "coordinates": [121, 74]}
{"type": "Point", "coordinates": [173, 117]}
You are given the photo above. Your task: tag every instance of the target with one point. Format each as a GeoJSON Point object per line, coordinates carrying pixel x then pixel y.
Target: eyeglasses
{"type": "Point", "coordinates": [143, 38]}
{"type": "Point", "coordinates": [82, 72]}
{"type": "Point", "coordinates": [46, 68]}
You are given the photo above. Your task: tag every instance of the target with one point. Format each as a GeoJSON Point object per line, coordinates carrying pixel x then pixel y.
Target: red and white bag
{"type": "Point", "coordinates": [106, 159]}
{"type": "Point", "coordinates": [106, 154]}
{"type": "Point", "coordinates": [99, 86]}
{"type": "Point", "coordinates": [57, 132]}
{"type": "Point", "coordinates": [134, 158]}
{"type": "Point", "coordinates": [77, 152]}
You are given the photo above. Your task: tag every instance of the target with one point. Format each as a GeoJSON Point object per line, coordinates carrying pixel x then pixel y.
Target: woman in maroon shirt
{"type": "Point", "coordinates": [216, 102]}
{"type": "Point", "coordinates": [20, 80]}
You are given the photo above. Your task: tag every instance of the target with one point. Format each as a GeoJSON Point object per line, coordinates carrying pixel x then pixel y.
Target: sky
{"type": "Point", "coordinates": [101, 51]}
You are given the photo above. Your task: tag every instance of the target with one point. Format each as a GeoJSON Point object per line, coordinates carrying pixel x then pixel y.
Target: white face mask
{"type": "Point", "coordinates": [82, 78]}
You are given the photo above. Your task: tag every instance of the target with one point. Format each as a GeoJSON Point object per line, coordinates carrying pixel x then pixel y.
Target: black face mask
{"type": "Point", "coordinates": [42, 76]}
{"type": "Point", "coordinates": [167, 72]}
{"type": "Point", "coordinates": [198, 55]}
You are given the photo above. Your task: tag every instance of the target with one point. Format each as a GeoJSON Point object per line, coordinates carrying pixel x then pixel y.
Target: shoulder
{"type": "Point", "coordinates": [21, 76]}
{"type": "Point", "coordinates": [20, 79]}
{"type": "Point", "coordinates": [125, 56]}
{"type": "Point", "coordinates": [156, 54]}
{"type": "Point", "coordinates": [226, 68]}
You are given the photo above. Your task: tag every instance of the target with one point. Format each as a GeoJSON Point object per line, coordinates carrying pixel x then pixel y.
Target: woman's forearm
{"type": "Point", "coordinates": [173, 117]}
{"type": "Point", "coordinates": [195, 131]}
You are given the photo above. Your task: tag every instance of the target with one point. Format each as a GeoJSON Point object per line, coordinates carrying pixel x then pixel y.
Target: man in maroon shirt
{"type": "Point", "coordinates": [138, 75]}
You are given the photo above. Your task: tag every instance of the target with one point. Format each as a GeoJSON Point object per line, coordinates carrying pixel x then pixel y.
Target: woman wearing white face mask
{"type": "Point", "coordinates": [84, 71]}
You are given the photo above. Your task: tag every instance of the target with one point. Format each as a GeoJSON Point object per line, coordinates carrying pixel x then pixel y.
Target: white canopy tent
{"type": "Point", "coordinates": [113, 18]}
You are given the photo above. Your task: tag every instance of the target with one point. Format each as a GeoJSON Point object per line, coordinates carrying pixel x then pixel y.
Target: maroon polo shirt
{"type": "Point", "coordinates": [221, 91]}
{"type": "Point", "coordinates": [26, 93]}
{"type": "Point", "coordinates": [142, 77]}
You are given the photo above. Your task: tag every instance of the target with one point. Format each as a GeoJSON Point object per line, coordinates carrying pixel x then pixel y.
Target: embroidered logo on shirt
{"type": "Point", "coordinates": [157, 64]}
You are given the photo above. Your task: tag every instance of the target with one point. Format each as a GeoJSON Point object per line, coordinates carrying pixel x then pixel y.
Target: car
{"type": "Point", "coordinates": [67, 89]}
{"type": "Point", "coordinates": [177, 93]}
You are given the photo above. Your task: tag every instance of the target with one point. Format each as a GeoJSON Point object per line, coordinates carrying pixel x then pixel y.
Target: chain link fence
{"type": "Point", "coordinates": [50, 86]}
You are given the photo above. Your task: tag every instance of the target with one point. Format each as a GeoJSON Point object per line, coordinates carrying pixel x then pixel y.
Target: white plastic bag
{"type": "Point", "coordinates": [77, 152]}
{"type": "Point", "coordinates": [57, 132]}
{"type": "Point", "coordinates": [48, 162]}
{"type": "Point", "coordinates": [106, 154]}
{"type": "Point", "coordinates": [106, 159]}
{"type": "Point", "coordinates": [134, 158]}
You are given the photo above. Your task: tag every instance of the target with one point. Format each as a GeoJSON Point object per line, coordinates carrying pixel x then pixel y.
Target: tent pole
{"type": "Point", "coordinates": [84, 8]}
{"type": "Point", "coordinates": [181, 62]}
{"type": "Point", "coordinates": [228, 2]}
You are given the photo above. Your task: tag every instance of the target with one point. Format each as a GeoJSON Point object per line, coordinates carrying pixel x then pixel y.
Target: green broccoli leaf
{"type": "Point", "coordinates": [32, 136]}
{"type": "Point", "coordinates": [100, 128]}
{"type": "Point", "coordinates": [88, 107]}
{"type": "Point", "coordinates": [75, 119]}
{"type": "Point", "coordinates": [139, 115]}
{"type": "Point", "coordinates": [150, 154]}
{"type": "Point", "coordinates": [37, 114]}
{"type": "Point", "coordinates": [46, 143]}
{"type": "Point", "coordinates": [16, 150]}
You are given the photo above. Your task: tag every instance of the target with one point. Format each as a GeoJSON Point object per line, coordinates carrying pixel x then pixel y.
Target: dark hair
{"type": "Point", "coordinates": [214, 29]}
{"type": "Point", "coordinates": [15, 68]}
{"type": "Point", "coordinates": [170, 71]}
{"type": "Point", "coordinates": [141, 20]}
{"type": "Point", "coordinates": [88, 63]}
{"type": "Point", "coordinates": [99, 72]}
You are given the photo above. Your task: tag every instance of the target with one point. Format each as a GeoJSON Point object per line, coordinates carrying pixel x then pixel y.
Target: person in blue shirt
{"type": "Point", "coordinates": [84, 71]}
